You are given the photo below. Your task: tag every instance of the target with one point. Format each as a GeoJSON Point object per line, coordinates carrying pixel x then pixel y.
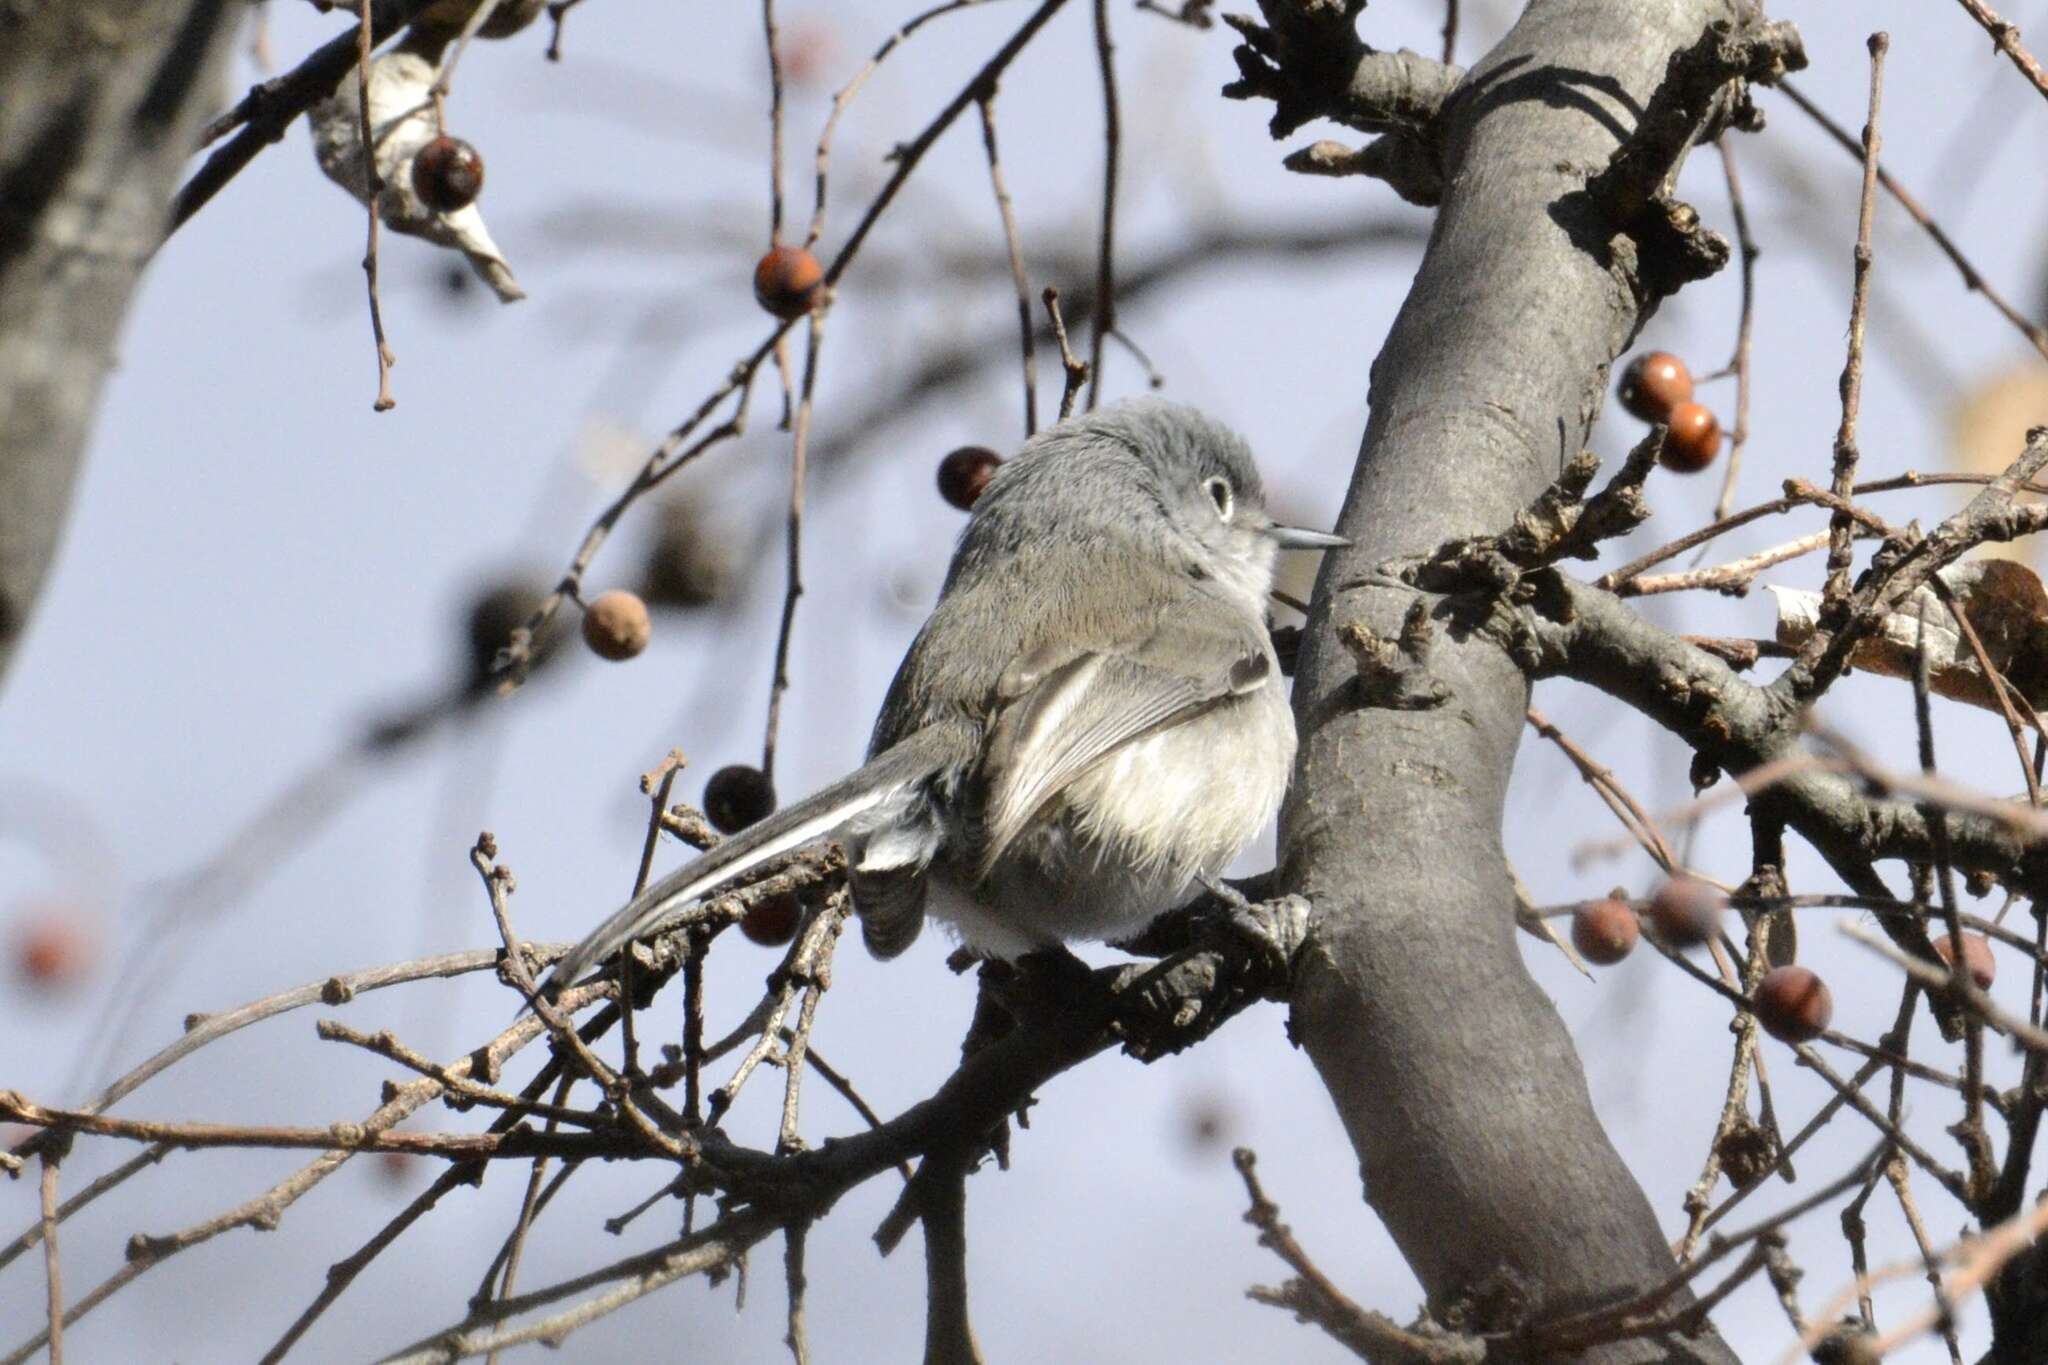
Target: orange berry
{"type": "Point", "coordinates": [1977, 958]}
{"type": "Point", "coordinates": [1654, 383]}
{"type": "Point", "coordinates": [788, 281]}
{"type": "Point", "coordinates": [1692, 442]}
{"type": "Point", "coordinates": [1604, 931]}
{"type": "Point", "coordinates": [1793, 1004]}
{"type": "Point", "coordinates": [52, 949]}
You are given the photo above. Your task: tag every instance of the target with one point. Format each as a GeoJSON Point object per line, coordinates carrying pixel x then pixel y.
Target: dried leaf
{"type": "Point", "coordinates": [2004, 602]}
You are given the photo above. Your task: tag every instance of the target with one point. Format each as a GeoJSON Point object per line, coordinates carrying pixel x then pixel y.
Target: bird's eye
{"type": "Point", "coordinates": [1219, 493]}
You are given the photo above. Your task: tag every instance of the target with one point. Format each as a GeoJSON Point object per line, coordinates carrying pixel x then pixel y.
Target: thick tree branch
{"type": "Point", "coordinates": [99, 105]}
{"type": "Point", "coordinates": [1451, 1070]}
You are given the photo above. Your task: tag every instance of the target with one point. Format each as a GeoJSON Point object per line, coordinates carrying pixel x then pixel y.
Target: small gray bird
{"type": "Point", "coordinates": [1091, 724]}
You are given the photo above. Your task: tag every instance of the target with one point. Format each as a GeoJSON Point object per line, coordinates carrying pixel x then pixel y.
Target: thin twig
{"type": "Point", "coordinates": [1028, 334]}
{"type": "Point", "coordinates": [1076, 370]}
{"type": "Point", "coordinates": [1972, 280]}
{"type": "Point", "coordinates": [794, 543]}
{"type": "Point", "coordinates": [773, 36]}
{"type": "Point", "coordinates": [2006, 38]}
{"type": "Point", "coordinates": [374, 184]}
{"type": "Point", "coordinates": [53, 1265]}
{"type": "Point", "coordinates": [1112, 152]}
{"type": "Point", "coordinates": [1840, 526]}
{"type": "Point", "coordinates": [1739, 362]}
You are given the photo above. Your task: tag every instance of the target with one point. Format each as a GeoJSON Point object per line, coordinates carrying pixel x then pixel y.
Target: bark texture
{"type": "Point", "coordinates": [1454, 1076]}
{"type": "Point", "coordinates": [100, 103]}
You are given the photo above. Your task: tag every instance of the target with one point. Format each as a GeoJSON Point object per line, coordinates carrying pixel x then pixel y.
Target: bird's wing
{"type": "Point", "coordinates": [1060, 712]}
{"type": "Point", "coordinates": [818, 816]}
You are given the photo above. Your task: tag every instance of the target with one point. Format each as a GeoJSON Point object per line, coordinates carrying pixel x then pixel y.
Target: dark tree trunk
{"type": "Point", "coordinates": [1454, 1076]}
{"type": "Point", "coordinates": [100, 103]}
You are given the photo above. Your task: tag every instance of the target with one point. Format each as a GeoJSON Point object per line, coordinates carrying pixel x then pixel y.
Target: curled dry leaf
{"type": "Point", "coordinates": [2006, 605]}
{"type": "Point", "coordinates": [402, 122]}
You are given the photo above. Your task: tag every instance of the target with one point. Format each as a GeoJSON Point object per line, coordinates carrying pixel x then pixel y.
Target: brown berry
{"type": "Point", "coordinates": [1693, 440]}
{"type": "Point", "coordinates": [447, 174]}
{"type": "Point", "coordinates": [394, 1168]}
{"type": "Point", "coordinates": [771, 921]}
{"type": "Point", "coordinates": [965, 472]}
{"type": "Point", "coordinates": [615, 626]}
{"type": "Point", "coordinates": [52, 949]}
{"type": "Point", "coordinates": [1793, 1004]}
{"type": "Point", "coordinates": [788, 281]}
{"type": "Point", "coordinates": [1977, 958]}
{"type": "Point", "coordinates": [1686, 911]}
{"type": "Point", "coordinates": [1654, 383]}
{"type": "Point", "coordinates": [1604, 931]}
{"type": "Point", "coordinates": [736, 797]}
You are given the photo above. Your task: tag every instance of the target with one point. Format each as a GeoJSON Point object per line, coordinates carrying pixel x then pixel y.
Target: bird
{"type": "Point", "coordinates": [1091, 724]}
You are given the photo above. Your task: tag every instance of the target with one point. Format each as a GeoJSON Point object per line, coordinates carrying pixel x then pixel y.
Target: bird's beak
{"type": "Point", "coordinates": [1296, 538]}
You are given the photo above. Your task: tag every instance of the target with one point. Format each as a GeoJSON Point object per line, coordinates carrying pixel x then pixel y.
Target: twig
{"type": "Point", "coordinates": [558, 10]}
{"type": "Point", "coordinates": [1940, 977]}
{"type": "Point", "coordinates": [1076, 371]}
{"type": "Point", "coordinates": [444, 79]}
{"type": "Point", "coordinates": [794, 1335]}
{"type": "Point", "coordinates": [1900, 1177]}
{"type": "Point", "coordinates": [2006, 38]}
{"type": "Point", "coordinates": [1739, 362]}
{"type": "Point", "coordinates": [53, 1264]}
{"type": "Point", "coordinates": [1112, 151]}
{"type": "Point", "coordinates": [1626, 809]}
{"type": "Point", "coordinates": [1314, 1299]}
{"type": "Point", "coordinates": [1733, 578]}
{"type": "Point", "coordinates": [1972, 280]}
{"type": "Point", "coordinates": [794, 542]}
{"type": "Point", "coordinates": [1028, 334]}
{"type": "Point", "coordinates": [773, 36]}
{"type": "Point", "coordinates": [1840, 526]}
{"type": "Point", "coordinates": [268, 109]}
{"type": "Point", "coordinates": [374, 184]}
{"type": "Point", "coordinates": [1450, 31]}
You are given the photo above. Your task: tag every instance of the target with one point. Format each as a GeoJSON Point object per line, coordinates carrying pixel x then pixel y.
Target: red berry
{"type": "Point", "coordinates": [788, 281]}
{"type": "Point", "coordinates": [1793, 1004]}
{"type": "Point", "coordinates": [1692, 442]}
{"type": "Point", "coordinates": [965, 472]}
{"type": "Point", "coordinates": [52, 949]}
{"type": "Point", "coordinates": [1604, 931]}
{"type": "Point", "coordinates": [1977, 958]}
{"type": "Point", "coordinates": [736, 797]}
{"type": "Point", "coordinates": [771, 921]}
{"type": "Point", "coordinates": [1654, 383]}
{"type": "Point", "coordinates": [615, 626]}
{"type": "Point", "coordinates": [447, 174]}
{"type": "Point", "coordinates": [1686, 911]}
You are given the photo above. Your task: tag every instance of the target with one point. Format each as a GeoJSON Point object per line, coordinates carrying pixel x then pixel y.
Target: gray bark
{"type": "Point", "coordinates": [1452, 1071]}
{"type": "Point", "coordinates": [100, 103]}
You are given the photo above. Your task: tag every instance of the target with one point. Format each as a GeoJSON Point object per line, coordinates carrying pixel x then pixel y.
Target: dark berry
{"type": "Point", "coordinates": [447, 174]}
{"type": "Point", "coordinates": [771, 921]}
{"type": "Point", "coordinates": [736, 797]}
{"type": "Point", "coordinates": [965, 472]}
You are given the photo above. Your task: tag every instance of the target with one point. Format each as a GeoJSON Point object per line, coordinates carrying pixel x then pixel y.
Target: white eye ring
{"type": "Point", "coordinates": [1219, 493]}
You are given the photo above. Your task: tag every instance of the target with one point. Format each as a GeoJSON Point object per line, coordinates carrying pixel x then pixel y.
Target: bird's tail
{"type": "Point", "coordinates": [818, 816]}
